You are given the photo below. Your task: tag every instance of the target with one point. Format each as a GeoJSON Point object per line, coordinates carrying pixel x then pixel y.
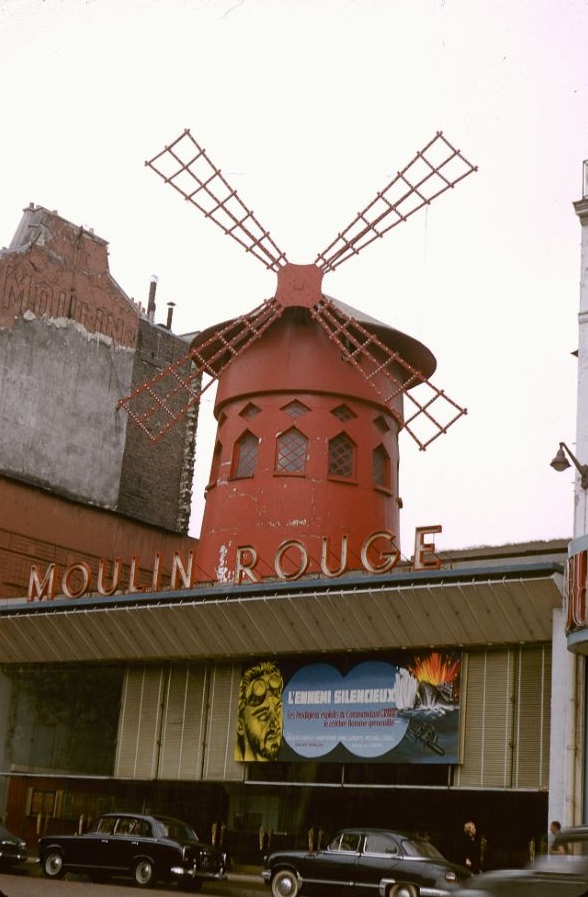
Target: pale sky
{"type": "Point", "coordinates": [309, 107]}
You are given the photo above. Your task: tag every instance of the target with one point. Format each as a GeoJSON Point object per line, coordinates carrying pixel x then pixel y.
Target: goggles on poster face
{"type": "Point", "coordinates": [258, 689]}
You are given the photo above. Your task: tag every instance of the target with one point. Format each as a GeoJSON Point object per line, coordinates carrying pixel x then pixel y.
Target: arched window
{"type": "Point", "coordinates": [381, 468]}
{"type": "Point", "coordinates": [215, 466]}
{"type": "Point", "coordinates": [245, 455]}
{"type": "Point", "coordinates": [342, 457]}
{"type": "Point", "coordinates": [291, 452]}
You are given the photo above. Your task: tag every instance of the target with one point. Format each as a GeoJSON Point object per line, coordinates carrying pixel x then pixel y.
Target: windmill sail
{"type": "Point", "coordinates": [156, 405]}
{"type": "Point", "coordinates": [185, 165]}
{"type": "Point", "coordinates": [436, 168]}
{"type": "Point", "coordinates": [430, 411]}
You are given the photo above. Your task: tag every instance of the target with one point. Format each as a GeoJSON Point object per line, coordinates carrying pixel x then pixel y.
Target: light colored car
{"type": "Point", "coordinates": [559, 874]}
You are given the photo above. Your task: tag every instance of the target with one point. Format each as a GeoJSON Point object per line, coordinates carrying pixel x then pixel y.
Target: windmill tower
{"type": "Point", "coordinates": [312, 394]}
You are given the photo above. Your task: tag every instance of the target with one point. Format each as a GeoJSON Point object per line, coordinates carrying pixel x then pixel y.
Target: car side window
{"type": "Point", "coordinates": [106, 825]}
{"type": "Point", "coordinates": [141, 828]}
{"type": "Point", "coordinates": [377, 842]}
{"type": "Point", "coordinates": [349, 841]}
{"type": "Point", "coordinates": [123, 826]}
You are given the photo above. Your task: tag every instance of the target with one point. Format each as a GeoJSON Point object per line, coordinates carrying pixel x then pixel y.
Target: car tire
{"type": "Point", "coordinates": [285, 883]}
{"type": "Point", "coordinates": [402, 890]}
{"type": "Point", "coordinates": [144, 873]}
{"type": "Point", "coordinates": [53, 865]}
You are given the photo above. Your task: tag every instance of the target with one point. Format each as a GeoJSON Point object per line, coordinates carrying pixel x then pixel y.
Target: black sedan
{"type": "Point", "coordinates": [563, 872]}
{"type": "Point", "coordinates": [13, 850]}
{"type": "Point", "coordinates": [378, 862]}
{"type": "Point", "coordinates": [131, 845]}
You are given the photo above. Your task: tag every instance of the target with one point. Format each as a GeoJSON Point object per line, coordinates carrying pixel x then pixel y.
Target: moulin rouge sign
{"type": "Point", "coordinates": [379, 554]}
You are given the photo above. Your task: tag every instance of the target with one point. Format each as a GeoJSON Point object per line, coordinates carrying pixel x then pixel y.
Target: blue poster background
{"type": "Point", "coordinates": [401, 709]}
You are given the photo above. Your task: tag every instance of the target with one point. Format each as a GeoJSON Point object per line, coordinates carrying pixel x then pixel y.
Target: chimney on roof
{"type": "Point", "coordinates": [151, 302]}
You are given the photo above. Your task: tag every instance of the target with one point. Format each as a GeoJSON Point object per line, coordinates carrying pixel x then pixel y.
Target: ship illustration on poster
{"type": "Point", "coordinates": [404, 709]}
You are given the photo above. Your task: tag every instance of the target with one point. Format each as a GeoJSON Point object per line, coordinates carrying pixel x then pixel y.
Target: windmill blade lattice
{"type": "Point", "coordinates": [156, 405]}
{"type": "Point", "coordinates": [185, 165]}
{"type": "Point", "coordinates": [435, 169]}
{"type": "Point", "coordinates": [430, 411]}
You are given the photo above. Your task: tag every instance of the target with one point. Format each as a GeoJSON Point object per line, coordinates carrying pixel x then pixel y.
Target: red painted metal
{"type": "Point", "coordinates": [297, 362]}
{"type": "Point", "coordinates": [301, 345]}
{"type": "Point", "coordinates": [153, 405]}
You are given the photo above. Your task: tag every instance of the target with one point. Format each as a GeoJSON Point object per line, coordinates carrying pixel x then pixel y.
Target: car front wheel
{"type": "Point", "coordinates": [144, 873]}
{"type": "Point", "coordinates": [285, 883]}
{"type": "Point", "coordinates": [404, 891]}
{"type": "Point", "coordinates": [53, 865]}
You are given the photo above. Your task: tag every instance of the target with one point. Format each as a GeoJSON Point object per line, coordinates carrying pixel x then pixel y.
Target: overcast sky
{"type": "Point", "coordinates": [309, 107]}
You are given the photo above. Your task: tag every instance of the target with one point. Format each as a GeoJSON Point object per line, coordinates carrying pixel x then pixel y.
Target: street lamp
{"type": "Point", "coordinates": [560, 462]}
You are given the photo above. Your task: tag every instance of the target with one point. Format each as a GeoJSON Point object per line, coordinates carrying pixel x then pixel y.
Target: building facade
{"type": "Point", "coordinates": [569, 794]}
{"type": "Point", "coordinates": [71, 343]}
{"type": "Point", "coordinates": [473, 637]}
{"type": "Point", "coordinates": [294, 694]}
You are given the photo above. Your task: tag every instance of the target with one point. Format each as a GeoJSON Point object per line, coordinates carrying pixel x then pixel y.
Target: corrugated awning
{"type": "Point", "coordinates": [456, 608]}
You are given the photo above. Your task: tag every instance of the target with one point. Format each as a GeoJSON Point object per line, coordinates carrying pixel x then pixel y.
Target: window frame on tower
{"type": "Point", "coordinates": [382, 453]}
{"type": "Point", "coordinates": [215, 465]}
{"type": "Point", "coordinates": [301, 453]}
{"type": "Point", "coordinates": [332, 462]}
{"type": "Point", "coordinates": [244, 466]}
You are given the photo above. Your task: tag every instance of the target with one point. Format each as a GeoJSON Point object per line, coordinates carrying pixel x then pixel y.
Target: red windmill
{"type": "Point", "coordinates": [311, 393]}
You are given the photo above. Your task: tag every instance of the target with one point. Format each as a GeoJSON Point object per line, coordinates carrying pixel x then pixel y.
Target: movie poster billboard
{"type": "Point", "coordinates": [401, 708]}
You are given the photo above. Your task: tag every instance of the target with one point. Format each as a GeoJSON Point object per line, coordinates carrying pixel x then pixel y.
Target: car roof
{"type": "Point", "coordinates": [577, 832]}
{"type": "Point", "coordinates": [163, 818]}
{"type": "Point", "coordinates": [364, 830]}
{"type": "Point", "coordinates": [125, 813]}
{"type": "Point", "coordinates": [159, 816]}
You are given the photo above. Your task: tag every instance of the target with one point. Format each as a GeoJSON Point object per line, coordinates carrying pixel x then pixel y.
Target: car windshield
{"type": "Point", "coordinates": [5, 835]}
{"type": "Point", "coordinates": [420, 848]}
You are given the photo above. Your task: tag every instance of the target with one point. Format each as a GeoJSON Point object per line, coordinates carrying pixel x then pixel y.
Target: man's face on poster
{"type": "Point", "coordinates": [260, 713]}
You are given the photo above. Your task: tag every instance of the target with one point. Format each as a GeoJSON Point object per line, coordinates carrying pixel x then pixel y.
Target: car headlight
{"type": "Point", "coordinates": [450, 876]}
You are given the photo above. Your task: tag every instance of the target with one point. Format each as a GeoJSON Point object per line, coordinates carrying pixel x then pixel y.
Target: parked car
{"type": "Point", "coordinates": [563, 873]}
{"type": "Point", "coordinates": [13, 850]}
{"type": "Point", "coordinates": [131, 845]}
{"type": "Point", "coordinates": [378, 861]}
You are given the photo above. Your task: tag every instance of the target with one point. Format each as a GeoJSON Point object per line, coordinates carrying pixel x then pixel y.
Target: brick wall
{"type": "Point", "coordinates": [156, 477]}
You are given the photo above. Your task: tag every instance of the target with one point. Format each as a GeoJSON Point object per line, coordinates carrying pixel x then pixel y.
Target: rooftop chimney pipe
{"type": "Point", "coordinates": [151, 303]}
{"type": "Point", "coordinates": [170, 314]}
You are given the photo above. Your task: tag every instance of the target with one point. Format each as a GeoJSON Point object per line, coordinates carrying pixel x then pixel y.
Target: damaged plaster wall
{"type": "Point", "coordinates": [59, 423]}
{"type": "Point", "coordinates": [72, 343]}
